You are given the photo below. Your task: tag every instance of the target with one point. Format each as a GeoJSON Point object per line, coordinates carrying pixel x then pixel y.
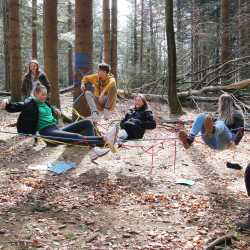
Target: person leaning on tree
{"type": "Point", "coordinates": [33, 76]}
{"type": "Point", "coordinates": [100, 91]}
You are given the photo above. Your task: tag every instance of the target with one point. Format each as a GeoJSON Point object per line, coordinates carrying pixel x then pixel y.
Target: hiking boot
{"type": "Point", "coordinates": [238, 136]}
{"type": "Point", "coordinates": [245, 225]}
{"type": "Point", "coordinates": [111, 136]}
{"type": "Point", "coordinates": [208, 126]}
{"type": "Point", "coordinates": [186, 140]}
{"type": "Point", "coordinates": [97, 152]}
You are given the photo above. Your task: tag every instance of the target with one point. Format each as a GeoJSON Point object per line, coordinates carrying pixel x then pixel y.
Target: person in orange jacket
{"type": "Point", "coordinates": [100, 91]}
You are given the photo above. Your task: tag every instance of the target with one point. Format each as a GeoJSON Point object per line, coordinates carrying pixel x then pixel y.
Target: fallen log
{"type": "Point", "coordinates": [224, 240]}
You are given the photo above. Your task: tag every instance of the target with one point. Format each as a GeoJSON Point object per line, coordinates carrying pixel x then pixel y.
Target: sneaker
{"type": "Point", "coordinates": [208, 126]}
{"type": "Point", "coordinates": [97, 152]}
{"type": "Point", "coordinates": [185, 139]}
{"type": "Point", "coordinates": [111, 136]}
{"type": "Point", "coordinates": [238, 136]}
{"type": "Point", "coordinates": [106, 114]}
{"type": "Point", "coordinates": [234, 166]}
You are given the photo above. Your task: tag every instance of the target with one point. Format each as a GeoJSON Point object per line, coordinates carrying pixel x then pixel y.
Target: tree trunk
{"type": "Point", "coordinates": [174, 104]}
{"type": "Point", "coordinates": [106, 30]}
{"type": "Point", "coordinates": [153, 58]}
{"type": "Point", "coordinates": [135, 54]}
{"type": "Point", "coordinates": [142, 41]}
{"type": "Point", "coordinates": [70, 49]}
{"type": "Point", "coordinates": [15, 50]}
{"type": "Point", "coordinates": [6, 45]}
{"type": "Point", "coordinates": [50, 48]}
{"type": "Point", "coordinates": [244, 34]}
{"type": "Point", "coordinates": [34, 29]}
{"type": "Point", "coordinates": [83, 50]}
{"type": "Point", "coordinates": [114, 38]}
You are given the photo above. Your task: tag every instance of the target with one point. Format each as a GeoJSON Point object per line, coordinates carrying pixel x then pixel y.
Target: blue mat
{"type": "Point", "coordinates": [61, 166]}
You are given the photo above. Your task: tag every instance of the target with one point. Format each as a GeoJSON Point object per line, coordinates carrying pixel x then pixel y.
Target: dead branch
{"type": "Point", "coordinates": [224, 240]}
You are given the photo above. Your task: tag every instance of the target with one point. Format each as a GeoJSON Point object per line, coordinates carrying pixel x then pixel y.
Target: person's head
{"type": "Point", "coordinates": [103, 71]}
{"type": "Point", "coordinates": [34, 67]}
{"type": "Point", "coordinates": [226, 108]}
{"type": "Point", "coordinates": [140, 101]}
{"type": "Point", "coordinates": [40, 92]}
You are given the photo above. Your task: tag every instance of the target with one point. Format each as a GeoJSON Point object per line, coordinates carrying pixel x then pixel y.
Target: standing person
{"type": "Point", "coordinates": [245, 225]}
{"type": "Point", "coordinates": [100, 91]}
{"type": "Point", "coordinates": [33, 76]}
{"type": "Point", "coordinates": [137, 120]}
{"type": "Point", "coordinates": [218, 133]}
{"type": "Point", "coordinates": [38, 116]}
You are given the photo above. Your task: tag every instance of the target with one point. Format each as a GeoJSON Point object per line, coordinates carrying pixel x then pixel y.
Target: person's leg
{"type": "Point", "coordinates": [90, 98]}
{"type": "Point", "coordinates": [84, 127]}
{"type": "Point", "coordinates": [245, 225]}
{"type": "Point", "coordinates": [109, 100]}
{"type": "Point", "coordinates": [53, 133]}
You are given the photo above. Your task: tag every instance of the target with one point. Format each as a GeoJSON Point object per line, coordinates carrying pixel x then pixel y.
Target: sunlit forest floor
{"type": "Point", "coordinates": [124, 200]}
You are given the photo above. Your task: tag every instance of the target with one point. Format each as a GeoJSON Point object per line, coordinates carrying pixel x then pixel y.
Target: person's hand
{"type": "Point", "coordinates": [3, 103]}
{"type": "Point", "coordinates": [58, 112]}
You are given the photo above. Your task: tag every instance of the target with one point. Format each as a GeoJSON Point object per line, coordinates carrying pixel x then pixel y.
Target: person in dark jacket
{"type": "Point", "coordinates": [245, 225]}
{"type": "Point", "coordinates": [38, 116]}
{"type": "Point", "coordinates": [32, 77]}
{"type": "Point", "coordinates": [220, 133]}
{"type": "Point", "coordinates": [137, 120]}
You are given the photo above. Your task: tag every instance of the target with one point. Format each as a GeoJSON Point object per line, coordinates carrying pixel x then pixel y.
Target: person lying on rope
{"type": "Point", "coordinates": [245, 225]}
{"type": "Point", "coordinates": [220, 133]}
{"type": "Point", "coordinates": [38, 116]}
{"type": "Point", "coordinates": [137, 120]}
{"type": "Point", "coordinates": [100, 92]}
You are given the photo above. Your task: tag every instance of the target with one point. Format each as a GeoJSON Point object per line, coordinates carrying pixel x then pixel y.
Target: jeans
{"type": "Point", "coordinates": [81, 132]}
{"type": "Point", "coordinates": [247, 179]}
{"type": "Point", "coordinates": [221, 137]}
{"type": "Point", "coordinates": [107, 102]}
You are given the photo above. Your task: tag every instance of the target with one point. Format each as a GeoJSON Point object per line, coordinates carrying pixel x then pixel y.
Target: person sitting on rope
{"type": "Point", "coordinates": [226, 130]}
{"type": "Point", "coordinates": [245, 225]}
{"type": "Point", "coordinates": [38, 115]}
{"type": "Point", "coordinates": [33, 76]}
{"type": "Point", "coordinates": [100, 91]}
{"type": "Point", "coordinates": [137, 120]}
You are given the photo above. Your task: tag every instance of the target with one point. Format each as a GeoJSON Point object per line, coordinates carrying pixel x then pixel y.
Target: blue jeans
{"type": "Point", "coordinates": [221, 137]}
{"type": "Point", "coordinates": [81, 132]}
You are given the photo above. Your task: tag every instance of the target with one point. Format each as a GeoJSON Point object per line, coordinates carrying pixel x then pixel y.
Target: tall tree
{"type": "Point", "coordinates": [114, 38]}
{"type": "Point", "coordinates": [244, 34]}
{"type": "Point", "coordinates": [106, 30]}
{"type": "Point", "coordinates": [174, 104]}
{"type": "Point", "coordinates": [83, 50]}
{"type": "Point", "coordinates": [6, 44]}
{"type": "Point", "coordinates": [50, 48]}
{"type": "Point", "coordinates": [70, 49]}
{"type": "Point", "coordinates": [135, 53]}
{"type": "Point", "coordinates": [142, 40]}
{"type": "Point", "coordinates": [15, 49]}
{"type": "Point", "coordinates": [34, 28]}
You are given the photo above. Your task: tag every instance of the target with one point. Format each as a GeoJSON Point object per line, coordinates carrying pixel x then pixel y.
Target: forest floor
{"type": "Point", "coordinates": [121, 201]}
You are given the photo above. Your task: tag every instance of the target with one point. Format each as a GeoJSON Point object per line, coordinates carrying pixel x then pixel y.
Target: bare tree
{"type": "Point", "coordinates": [50, 48]}
{"type": "Point", "coordinates": [114, 38]}
{"type": "Point", "coordinates": [15, 50]}
{"type": "Point", "coordinates": [70, 49]}
{"type": "Point", "coordinates": [106, 30]}
{"type": "Point", "coordinates": [34, 28]}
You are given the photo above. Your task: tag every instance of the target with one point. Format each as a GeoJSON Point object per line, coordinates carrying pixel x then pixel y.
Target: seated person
{"type": "Point", "coordinates": [137, 120]}
{"type": "Point", "coordinates": [100, 91]}
{"type": "Point", "coordinates": [32, 77]}
{"type": "Point", "coordinates": [38, 116]}
{"type": "Point", "coordinates": [245, 226]}
{"type": "Point", "coordinates": [226, 130]}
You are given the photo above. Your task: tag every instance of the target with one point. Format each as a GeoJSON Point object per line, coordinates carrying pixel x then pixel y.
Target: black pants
{"type": "Point", "coordinates": [81, 132]}
{"type": "Point", "coordinates": [247, 179]}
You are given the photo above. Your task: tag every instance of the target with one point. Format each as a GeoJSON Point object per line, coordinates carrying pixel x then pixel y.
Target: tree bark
{"type": "Point", "coordinates": [15, 50]}
{"type": "Point", "coordinates": [34, 29]}
{"type": "Point", "coordinates": [106, 31]}
{"type": "Point", "coordinates": [50, 48]}
{"type": "Point", "coordinates": [70, 49]}
{"type": "Point", "coordinates": [135, 54]}
{"type": "Point", "coordinates": [142, 41]}
{"type": "Point", "coordinates": [6, 45]}
{"type": "Point", "coordinates": [114, 38]}
{"type": "Point", "coordinates": [174, 104]}
{"type": "Point", "coordinates": [83, 50]}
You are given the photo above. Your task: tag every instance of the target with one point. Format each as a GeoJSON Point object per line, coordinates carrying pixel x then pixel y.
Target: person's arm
{"type": "Point", "coordinates": [44, 80]}
{"type": "Point", "coordinates": [13, 107]}
{"type": "Point", "coordinates": [127, 116]}
{"type": "Point", "coordinates": [88, 79]}
{"type": "Point", "coordinates": [24, 87]}
{"type": "Point", "coordinates": [149, 122]}
{"type": "Point", "coordinates": [111, 84]}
